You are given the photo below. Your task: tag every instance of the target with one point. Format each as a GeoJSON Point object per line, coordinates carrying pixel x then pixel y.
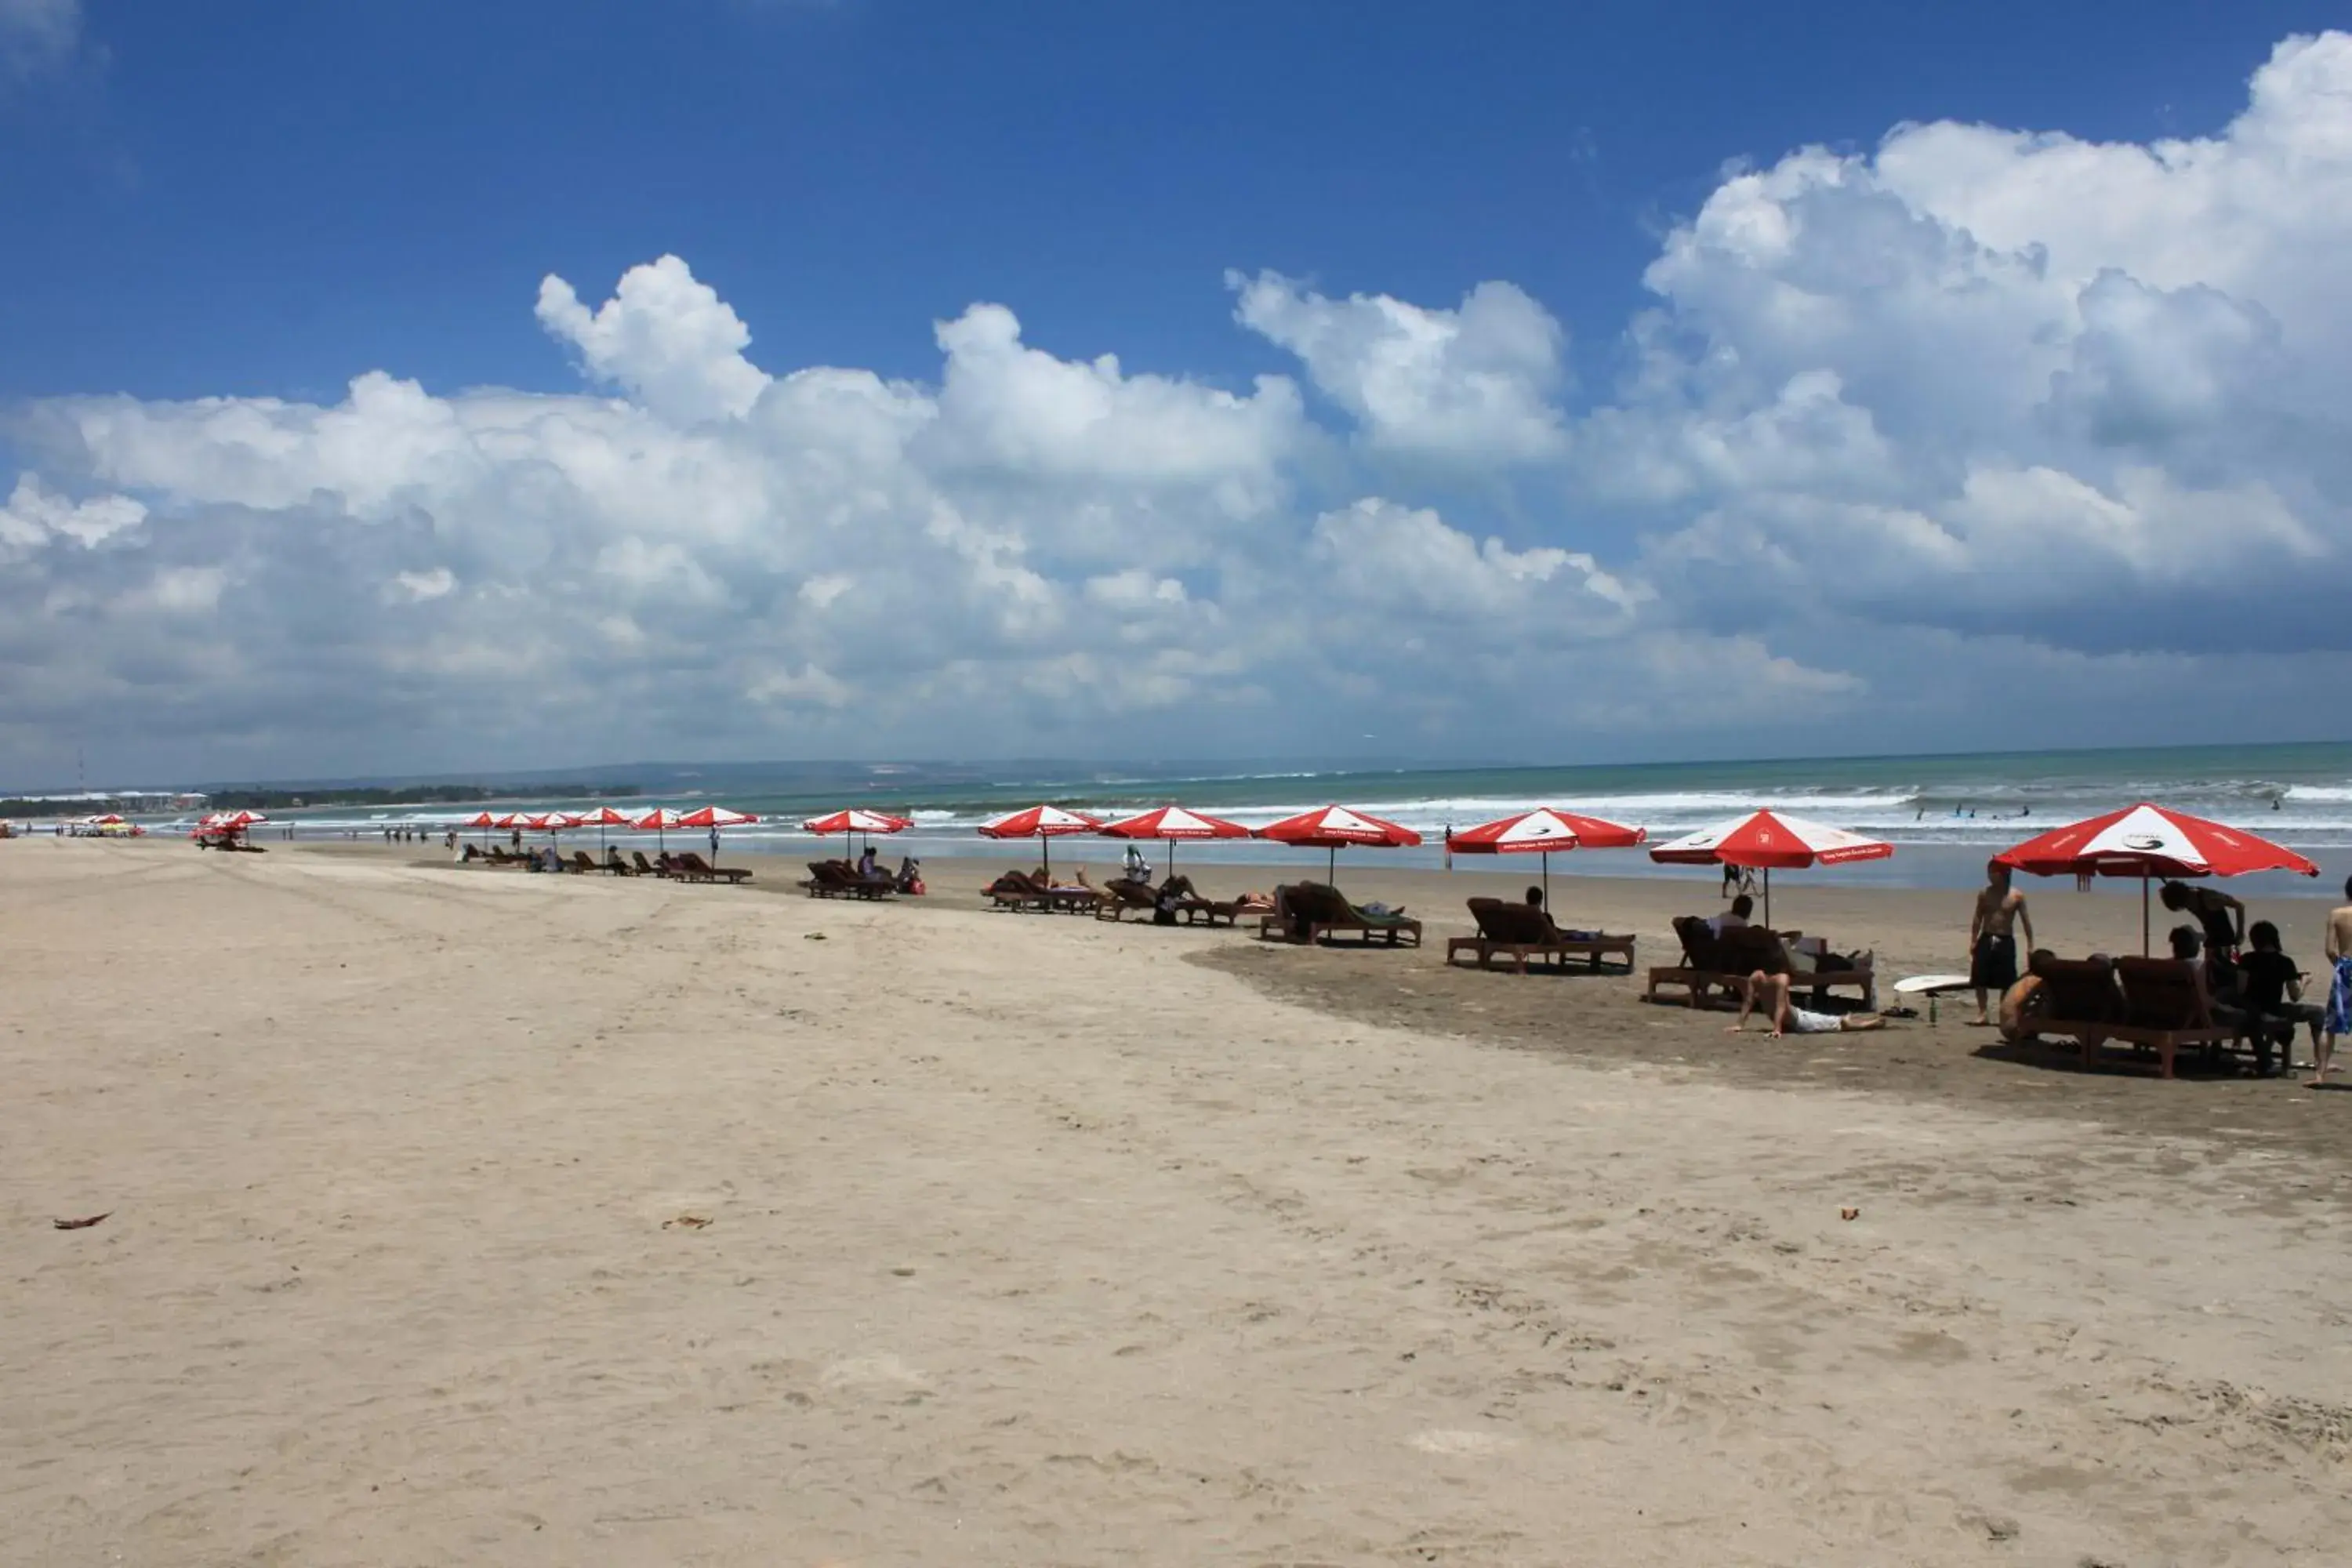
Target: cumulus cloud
{"type": "Point", "coordinates": [664, 337]}
{"type": "Point", "coordinates": [1471, 384]}
{"type": "Point", "coordinates": [1980, 410]}
{"type": "Point", "coordinates": [1983, 378]}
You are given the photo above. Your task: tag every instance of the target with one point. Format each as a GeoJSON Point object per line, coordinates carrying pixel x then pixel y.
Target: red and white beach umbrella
{"type": "Point", "coordinates": [715, 817]}
{"type": "Point", "coordinates": [483, 820]}
{"type": "Point", "coordinates": [658, 822]}
{"type": "Point", "coordinates": [2146, 841]}
{"type": "Point", "coordinates": [1043, 822]}
{"type": "Point", "coordinates": [1334, 828]}
{"type": "Point", "coordinates": [1174, 825]}
{"type": "Point", "coordinates": [1766, 839]}
{"type": "Point", "coordinates": [1541, 831]}
{"type": "Point", "coordinates": [857, 819]}
{"type": "Point", "coordinates": [602, 818]}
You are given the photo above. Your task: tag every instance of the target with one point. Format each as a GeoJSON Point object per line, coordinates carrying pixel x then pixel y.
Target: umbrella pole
{"type": "Point", "coordinates": [1767, 897]}
{"type": "Point", "coordinates": [2144, 948]}
{"type": "Point", "coordinates": [1045, 844]}
{"type": "Point", "coordinates": [1547, 880]}
{"type": "Point", "coordinates": [1331, 867]}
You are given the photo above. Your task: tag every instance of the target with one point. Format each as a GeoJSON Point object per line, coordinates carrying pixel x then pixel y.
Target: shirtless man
{"type": "Point", "coordinates": [1770, 994]}
{"type": "Point", "coordinates": [1993, 943]}
{"type": "Point", "coordinates": [2338, 1020]}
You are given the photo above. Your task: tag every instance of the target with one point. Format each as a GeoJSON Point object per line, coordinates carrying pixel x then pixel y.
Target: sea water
{"type": "Point", "coordinates": [1944, 814]}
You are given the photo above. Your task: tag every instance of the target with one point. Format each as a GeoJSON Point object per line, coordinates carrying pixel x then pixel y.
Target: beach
{"type": "Point", "coordinates": [461, 1215]}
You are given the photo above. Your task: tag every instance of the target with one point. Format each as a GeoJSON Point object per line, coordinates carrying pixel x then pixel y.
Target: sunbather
{"type": "Point", "coordinates": [1769, 994]}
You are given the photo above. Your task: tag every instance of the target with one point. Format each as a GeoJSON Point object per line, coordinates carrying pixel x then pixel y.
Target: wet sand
{"type": "Point", "coordinates": [1026, 1242]}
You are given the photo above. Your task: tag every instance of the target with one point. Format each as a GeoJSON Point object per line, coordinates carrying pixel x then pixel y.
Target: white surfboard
{"type": "Point", "coordinates": [1919, 983]}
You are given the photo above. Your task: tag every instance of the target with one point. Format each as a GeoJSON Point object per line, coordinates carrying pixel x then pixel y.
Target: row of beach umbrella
{"type": "Point", "coordinates": [2146, 841]}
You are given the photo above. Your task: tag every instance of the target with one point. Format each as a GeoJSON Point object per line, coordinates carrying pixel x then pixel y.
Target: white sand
{"type": "Point", "coordinates": [1029, 1244]}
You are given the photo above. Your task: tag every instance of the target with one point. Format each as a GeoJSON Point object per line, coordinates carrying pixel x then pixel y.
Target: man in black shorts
{"type": "Point", "coordinates": [1992, 937]}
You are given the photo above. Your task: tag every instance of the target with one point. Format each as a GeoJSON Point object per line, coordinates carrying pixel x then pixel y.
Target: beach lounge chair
{"type": "Point", "coordinates": [1016, 890]}
{"type": "Point", "coordinates": [839, 879]}
{"type": "Point", "coordinates": [1726, 960]}
{"type": "Point", "coordinates": [1198, 911]}
{"type": "Point", "coordinates": [646, 867]}
{"type": "Point", "coordinates": [693, 867]}
{"type": "Point", "coordinates": [2153, 1004]}
{"type": "Point", "coordinates": [1522, 931]}
{"type": "Point", "coordinates": [1124, 896]}
{"type": "Point", "coordinates": [1317, 911]}
{"type": "Point", "coordinates": [586, 863]}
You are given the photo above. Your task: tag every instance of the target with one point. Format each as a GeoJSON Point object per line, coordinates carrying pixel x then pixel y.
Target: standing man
{"type": "Point", "coordinates": [2338, 1020]}
{"type": "Point", "coordinates": [1992, 942]}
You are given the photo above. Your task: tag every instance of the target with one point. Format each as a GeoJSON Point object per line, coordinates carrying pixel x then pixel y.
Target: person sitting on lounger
{"type": "Point", "coordinates": [1535, 898]}
{"type": "Point", "coordinates": [2270, 991]}
{"type": "Point", "coordinates": [1733, 919]}
{"type": "Point", "coordinates": [1769, 994]}
{"type": "Point", "coordinates": [868, 868]}
{"type": "Point", "coordinates": [612, 861]}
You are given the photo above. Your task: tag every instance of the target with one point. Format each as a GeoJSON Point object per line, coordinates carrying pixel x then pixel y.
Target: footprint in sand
{"type": "Point", "coordinates": [1446, 1440]}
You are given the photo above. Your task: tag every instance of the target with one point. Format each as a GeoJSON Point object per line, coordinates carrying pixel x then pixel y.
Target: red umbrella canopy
{"type": "Point", "coordinates": [659, 819]}
{"type": "Point", "coordinates": [717, 816]}
{"type": "Point", "coordinates": [857, 819]}
{"type": "Point", "coordinates": [512, 819]}
{"type": "Point", "coordinates": [480, 819]}
{"type": "Point", "coordinates": [1173, 822]}
{"type": "Point", "coordinates": [1768, 840]}
{"type": "Point", "coordinates": [1039, 822]}
{"type": "Point", "coordinates": [602, 816]}
{"type": "Point", "coordinates": [1336, 828]}
{"type": "Point", "coordinates": [2147, 840]}
{"type": "Point", "coordinates": [1544, 830]}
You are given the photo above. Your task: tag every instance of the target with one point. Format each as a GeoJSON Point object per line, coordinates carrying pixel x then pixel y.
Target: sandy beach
{"type": "Point", "coordinates": [469, 1216]}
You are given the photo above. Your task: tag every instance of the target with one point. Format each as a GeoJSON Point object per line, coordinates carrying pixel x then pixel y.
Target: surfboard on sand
{"type": "Point", "coordinates": [1919, 984]}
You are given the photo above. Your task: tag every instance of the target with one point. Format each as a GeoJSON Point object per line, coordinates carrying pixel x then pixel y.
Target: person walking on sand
{"type": "Point", "coordinates": [2339, 1018]}
{"type": "Point", "coordinates": [1992, 940]}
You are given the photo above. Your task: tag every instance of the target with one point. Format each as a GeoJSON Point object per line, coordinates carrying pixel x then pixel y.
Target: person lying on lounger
{"type": "Point", "coordinates": [1769, 993]}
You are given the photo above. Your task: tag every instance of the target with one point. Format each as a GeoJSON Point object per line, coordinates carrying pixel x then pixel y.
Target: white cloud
{"type": "Point", "coordinates": [1470, 384]}
{"type": "Point", "coordinates": [1978, 413]}
{"type": "Point", "coordinates": [1985, 377]}
{"type": "Point", "coordinates": [36, 36]}
{"type": "Point", "coordinates": [664, 337]}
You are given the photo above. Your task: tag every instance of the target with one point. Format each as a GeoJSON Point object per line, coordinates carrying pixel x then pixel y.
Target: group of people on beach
{"type": "Point", "coordinates": [2241, 971]}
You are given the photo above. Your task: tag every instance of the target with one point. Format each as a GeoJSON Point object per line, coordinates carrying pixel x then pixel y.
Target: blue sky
{"type": "Point", "coordinates": [1637, 456]}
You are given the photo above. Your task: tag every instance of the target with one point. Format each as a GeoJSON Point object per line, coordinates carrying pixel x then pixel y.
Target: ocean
{"type": "Point", "coordinates": [1945, 813]}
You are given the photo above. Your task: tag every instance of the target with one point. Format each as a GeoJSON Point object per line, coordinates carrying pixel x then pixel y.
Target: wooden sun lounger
{"type": "Point", "coordinates": [1020, 890]}
{"type": "Point", "coordinates": [833, 879]}
{"type": "Point", "coordinates": [1316, 912]}
{"type": "Point", "coordinates": [2152, 1004]}
{"type": "Point", "coordinates": [1711, 962]}
{"type": "Point", "coordinates": [1523, 931]}
{"type": "Point", "coordinates": [646, 867]}
{"type": "Point", "coordinates": [1213, 912]}
{"type": "Point", "coordinates": [1123, 896]}
{"type": "Point", "coordinates": [693, 867]}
